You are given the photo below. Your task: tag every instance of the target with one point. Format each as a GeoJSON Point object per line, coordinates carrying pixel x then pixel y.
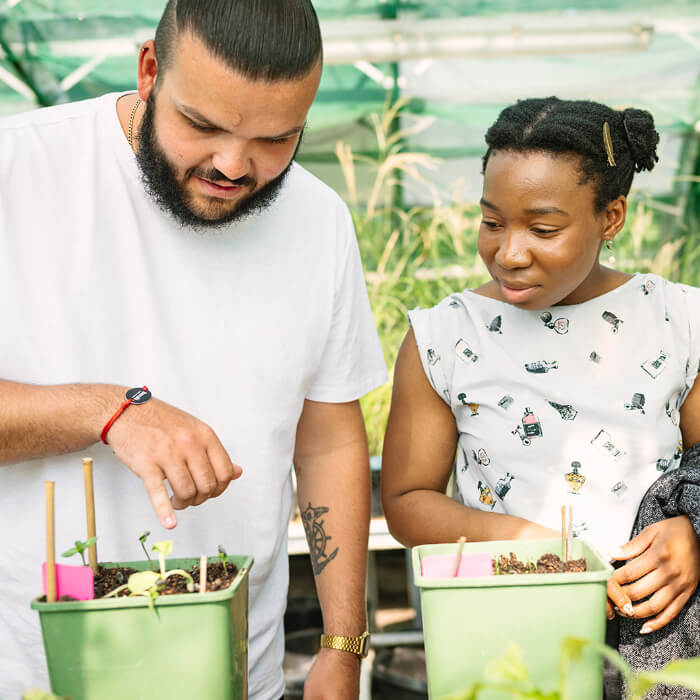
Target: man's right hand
{"type": "Point", "coordinates": [157, 442]}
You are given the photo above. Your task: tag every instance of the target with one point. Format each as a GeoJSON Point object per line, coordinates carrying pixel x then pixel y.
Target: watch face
{"type": "Point", "coordinates": [139, 394]}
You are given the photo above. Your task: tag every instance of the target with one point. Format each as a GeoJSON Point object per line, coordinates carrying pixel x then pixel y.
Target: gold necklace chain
{"type": "Point", "coordinates": [130, 130]}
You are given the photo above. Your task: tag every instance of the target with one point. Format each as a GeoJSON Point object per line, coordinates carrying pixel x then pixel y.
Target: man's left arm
{"type": "Point", "coordinates": [333, 488]}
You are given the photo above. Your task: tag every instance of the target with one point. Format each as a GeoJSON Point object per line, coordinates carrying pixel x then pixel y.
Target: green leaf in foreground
{"type": "Point", "coordinates": [510, 675]}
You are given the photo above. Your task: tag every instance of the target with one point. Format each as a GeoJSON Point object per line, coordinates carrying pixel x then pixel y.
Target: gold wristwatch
{"type": "Point", "coordinates": [355, 645]}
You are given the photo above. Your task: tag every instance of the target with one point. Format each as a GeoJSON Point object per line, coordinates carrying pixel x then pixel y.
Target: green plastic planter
{"type": "Point", "coordinates": [189, 646]}
{"type": "Point", "coordinates": [468, 622]}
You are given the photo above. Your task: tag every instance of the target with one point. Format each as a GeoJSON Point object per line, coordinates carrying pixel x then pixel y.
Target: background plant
{"type": "Point", "coordinates": [416, 255]}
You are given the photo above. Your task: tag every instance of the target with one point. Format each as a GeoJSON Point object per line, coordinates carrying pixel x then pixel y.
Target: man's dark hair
{"type": "Point", "coordinates": [575, 127]}
{"type": "Point", "coordinates": [268, 40]}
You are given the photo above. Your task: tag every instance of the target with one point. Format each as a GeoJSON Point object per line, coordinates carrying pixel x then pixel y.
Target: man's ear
{"type": "Point", "coordinates": [615, 214]}
{"type": "Point", "coordinates": [147, 69]}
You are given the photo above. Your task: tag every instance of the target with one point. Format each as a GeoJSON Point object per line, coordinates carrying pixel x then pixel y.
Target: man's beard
{"type": "Point", "coordinates": [161, 183]}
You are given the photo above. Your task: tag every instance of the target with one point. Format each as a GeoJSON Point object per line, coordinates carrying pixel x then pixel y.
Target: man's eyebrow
{"type": "Point", "coordinates": [192, 112]}
{"type": "Point", "coordinates": [292, 132]}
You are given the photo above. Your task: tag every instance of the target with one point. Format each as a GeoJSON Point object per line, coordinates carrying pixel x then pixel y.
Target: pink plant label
{"type": "Point", "coordinates": [471, 565]}
{"type": "Point", "coordinates": [74, 581]}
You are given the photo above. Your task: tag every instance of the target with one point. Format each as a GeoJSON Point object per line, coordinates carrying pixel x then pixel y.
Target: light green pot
{"type": "Point", "coordinates": [468, 622]}
{"type": "Point", "coordinates": [189, 646]}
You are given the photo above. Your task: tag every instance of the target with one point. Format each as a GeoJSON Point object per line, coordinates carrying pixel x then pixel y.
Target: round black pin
{"type": "Point", "coordinates": [139, 394]}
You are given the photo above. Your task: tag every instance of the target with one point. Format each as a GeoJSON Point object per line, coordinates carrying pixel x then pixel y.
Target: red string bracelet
{"type": "Point", "coordinates": [136, 395]}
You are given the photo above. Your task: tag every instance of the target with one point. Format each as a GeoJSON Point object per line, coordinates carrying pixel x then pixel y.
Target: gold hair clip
{"type": "Point", "coordinates": [607, 140]}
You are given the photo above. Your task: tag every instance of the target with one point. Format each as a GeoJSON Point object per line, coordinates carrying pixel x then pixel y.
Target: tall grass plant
{"type": "Point", "coordinates": [416, 255]}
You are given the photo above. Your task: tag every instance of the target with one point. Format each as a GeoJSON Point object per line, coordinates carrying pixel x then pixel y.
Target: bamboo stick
{"type": "Point", "coordinates": [458, 556]}
{"type": "Point", "coordinates": [50, 544]}
{"type": "Point", "coordinates": [203, 574]}
{"type": "Point", "coordinates": [90, 510]}
{"type": "Point", "coordinates": [564, 552]}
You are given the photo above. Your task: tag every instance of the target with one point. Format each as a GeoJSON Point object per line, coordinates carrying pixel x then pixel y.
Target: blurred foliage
{"type": "Point", "coordinates": [415, 256]}
{"type": "Point", "coordinates": [511, 676]}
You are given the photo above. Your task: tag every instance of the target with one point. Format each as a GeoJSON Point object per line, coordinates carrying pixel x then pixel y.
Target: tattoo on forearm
{"type": "Point", "coordinates": [317, 538]}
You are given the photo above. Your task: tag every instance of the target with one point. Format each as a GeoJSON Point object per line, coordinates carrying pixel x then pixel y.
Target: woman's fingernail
{"type": "Point", "coordinates": [610, 616]}
{"type": "Point", "coordinates": [628, 609]}
{"type": "Point", "coordinates": [169, 521]}
{"type": "Point", "coordinates": [618, 553]}
{"type": "Point", "coordinates": [646, 629]}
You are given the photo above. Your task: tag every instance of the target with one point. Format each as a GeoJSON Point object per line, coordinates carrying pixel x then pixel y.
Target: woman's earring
{"type": "Point", "coordinates": [608, 244]}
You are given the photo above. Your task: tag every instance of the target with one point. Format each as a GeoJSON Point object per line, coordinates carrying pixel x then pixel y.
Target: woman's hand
{"type": "Point", "coordinates": [663, 564]}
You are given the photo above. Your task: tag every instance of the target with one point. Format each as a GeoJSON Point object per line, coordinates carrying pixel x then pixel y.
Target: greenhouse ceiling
{"type": "Point", "coordinates": [460, 61]}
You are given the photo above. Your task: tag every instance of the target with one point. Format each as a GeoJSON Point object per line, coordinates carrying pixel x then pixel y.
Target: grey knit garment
{"type": "Point", "coordinates": [675, 493]}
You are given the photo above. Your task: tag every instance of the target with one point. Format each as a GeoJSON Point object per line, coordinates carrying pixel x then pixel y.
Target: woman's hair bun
{"type": "Point", "coordinates": [642, 138]}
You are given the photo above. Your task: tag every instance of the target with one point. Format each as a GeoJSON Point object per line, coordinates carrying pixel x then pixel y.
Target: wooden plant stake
{"type": "Point", "coordinates": [90, 511]}
{"type": "Point", "coordinates": [564, 542]}
{"type": "Point", "coordinates": [203, 574]}
{"type": "Point", "coordinates": [50, 545]}
{"type": "Point", "coordinates": [570, 535]}
{"type": "Point", "coordinates": [458, 556]}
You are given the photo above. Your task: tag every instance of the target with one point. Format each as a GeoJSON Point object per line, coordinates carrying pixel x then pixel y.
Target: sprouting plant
{"type": "Point", "coordinates": [142, 539]}
{"type": "Point", "coordinates": [223, 557]}
{"type": "Point", "coordinates": [80, 548]}
{"type": "Point", "coordinates": [163, 548]}
{"type": "Point", "coordinates": [151, 583]}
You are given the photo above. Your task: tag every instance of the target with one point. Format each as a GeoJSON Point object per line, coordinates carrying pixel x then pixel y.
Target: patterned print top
{"type": "Point", "coordinates": [575, 404]}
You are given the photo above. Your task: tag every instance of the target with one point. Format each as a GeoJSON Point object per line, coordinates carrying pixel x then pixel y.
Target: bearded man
{"type": "Point", "coordinates": [168, 239]}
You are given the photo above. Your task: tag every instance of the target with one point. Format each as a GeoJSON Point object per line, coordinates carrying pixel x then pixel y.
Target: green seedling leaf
{"type": "Point", "coordinates": [223, 557]}
{"type": "Point", "coordinates": [180, 572]}
{"type": "Point", "coordinates": [116, 590]}
{"type": "Point", "coordinates": [142, 539]}
{"type": "Point", "coordinates": [142, 582]}
{"type": "Point", "coordinates": [165, 547]}
{"type": "Point", "coordinates": [80, 548]}
{"type": "Point", "coordinates": [153, 593]}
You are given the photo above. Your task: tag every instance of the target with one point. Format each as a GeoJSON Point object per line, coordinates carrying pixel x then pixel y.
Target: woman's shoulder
{"type": "Point", "coordinates": [675, 292]}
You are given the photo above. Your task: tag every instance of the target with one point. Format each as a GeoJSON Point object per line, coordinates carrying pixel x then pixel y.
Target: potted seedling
{"type": "Point", "coordinates": [150, 632]}
{"type": "Point", "coordinates": [80, 548]}
{"type": "Point", "coordinates": [533, 593]}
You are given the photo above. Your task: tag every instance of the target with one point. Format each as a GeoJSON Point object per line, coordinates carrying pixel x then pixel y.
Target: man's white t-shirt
{"type": "Point", "coordinates": [237, 327]}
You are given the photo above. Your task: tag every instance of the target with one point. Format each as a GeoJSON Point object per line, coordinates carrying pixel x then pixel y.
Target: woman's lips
{"type": "Point", "coordinates": [517, 295]}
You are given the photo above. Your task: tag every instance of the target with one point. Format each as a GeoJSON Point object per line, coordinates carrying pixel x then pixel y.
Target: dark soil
{"type": "Point", "coordinates": [217, 578]}
{"type": "Point", "coordinates": [546, 564]}
{"type": "Point", "coordinates": [107, 579]}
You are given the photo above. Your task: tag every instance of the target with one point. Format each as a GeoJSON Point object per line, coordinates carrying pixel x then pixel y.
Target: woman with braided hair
{"type": "Point", "coordinates": [586, 389]}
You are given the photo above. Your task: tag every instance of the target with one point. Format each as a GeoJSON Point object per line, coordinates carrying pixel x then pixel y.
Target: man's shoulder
{"type": "Point", "coordinates": [56, 114]}
{"type": "Point", "coordinates": [303, 184]}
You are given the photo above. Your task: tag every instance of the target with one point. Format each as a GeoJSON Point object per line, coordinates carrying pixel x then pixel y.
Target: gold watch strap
{"type": "Point", "coordinates": [355, 645]}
